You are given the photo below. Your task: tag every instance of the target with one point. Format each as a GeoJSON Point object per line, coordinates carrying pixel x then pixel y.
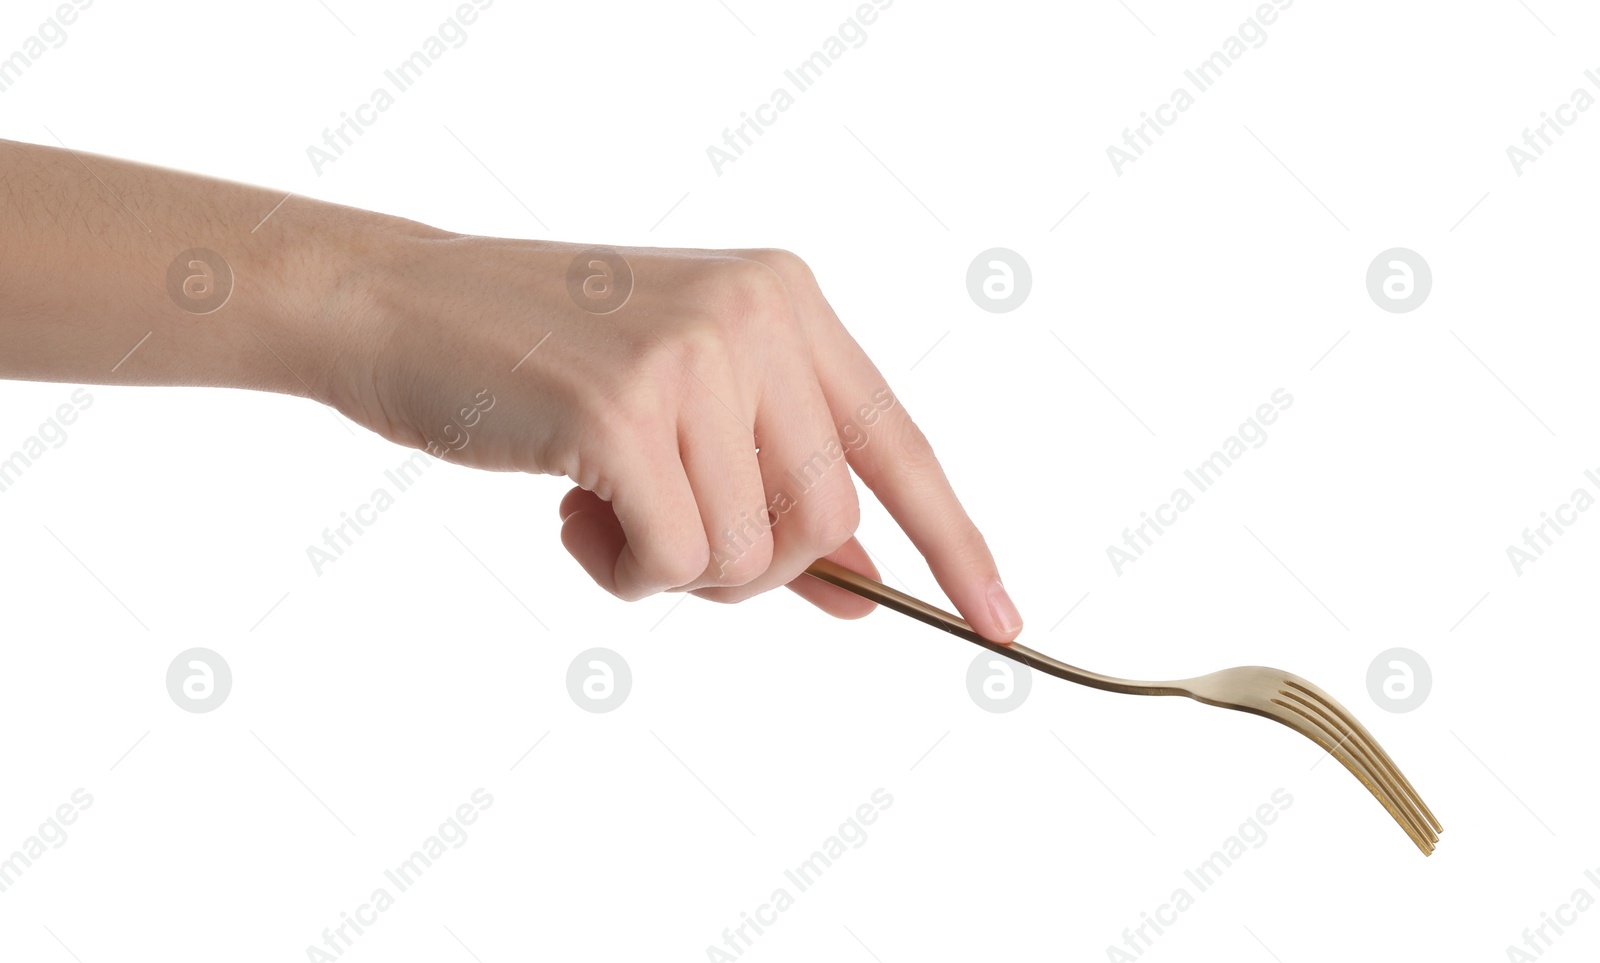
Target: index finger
{"type": "Point", "coordinates": [893, 457]}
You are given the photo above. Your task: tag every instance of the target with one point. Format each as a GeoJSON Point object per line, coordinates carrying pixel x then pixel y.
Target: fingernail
{"type": "Point", "coordinates": [1004, 610]}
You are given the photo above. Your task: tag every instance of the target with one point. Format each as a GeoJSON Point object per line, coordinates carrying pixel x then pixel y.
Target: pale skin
{"type": "Point", "coordinates": [683, 418]}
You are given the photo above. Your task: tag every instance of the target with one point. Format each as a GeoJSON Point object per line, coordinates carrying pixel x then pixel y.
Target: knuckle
{"type": "Point", "coordinates": [656, 362]}
{"type": "Point", "coordinates": [671, 357]}
{"type": "Point", "coordinates": [831, 522]}
{"type": "Point", "coordinates": [656, 373]}
{"type": "Point", "coordinates": [749, 292]}
{"type": "Point", "coordinates": [910, 448]}
{"type": "Point", "coordinates": [743, 549]}
{"type": "Point", "coordinates": [632, 416]}
{"type": "Point", "coordinates": [739, 563]}
{"type": "Point", "coordinates": [677, 564]}
{"type": "Point", "coordinates": [698, 345]}
{"type": "Point", "coordinates": [787, 264]}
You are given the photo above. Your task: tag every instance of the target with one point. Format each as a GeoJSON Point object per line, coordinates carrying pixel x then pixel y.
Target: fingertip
{"type": "Point", "coordinates": [831, 599]}
{"type": "Point", "coordinates": [837, 602]}
{"type": "Point", "coordinates": [1004, 621]}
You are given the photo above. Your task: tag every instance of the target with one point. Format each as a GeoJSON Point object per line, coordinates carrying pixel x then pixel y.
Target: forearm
{"type": "Point", "coordinates": [96, 284]}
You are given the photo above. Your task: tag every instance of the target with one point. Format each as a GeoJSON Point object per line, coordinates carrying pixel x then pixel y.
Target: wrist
{"type": "Point", "coordinates": [348, 272]}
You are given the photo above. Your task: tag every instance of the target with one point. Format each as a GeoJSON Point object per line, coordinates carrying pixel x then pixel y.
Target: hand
{"type": "Point", "coordinates": [707, 421]}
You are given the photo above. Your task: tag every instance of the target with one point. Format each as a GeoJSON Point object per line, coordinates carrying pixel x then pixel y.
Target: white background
{"type": "Point", "coordinates": [369, 702]}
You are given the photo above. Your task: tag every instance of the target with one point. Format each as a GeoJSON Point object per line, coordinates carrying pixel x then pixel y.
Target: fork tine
{"type": "Point", "coordinates": [1374, 748]}
{"type": "Point", "coordinates": [1297, 718]}
{"type": "Point", "coordinates": [1348, 738]}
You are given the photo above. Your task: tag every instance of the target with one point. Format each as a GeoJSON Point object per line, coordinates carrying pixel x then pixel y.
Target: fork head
{"type": "Point", "coordinates": [1287, 698]}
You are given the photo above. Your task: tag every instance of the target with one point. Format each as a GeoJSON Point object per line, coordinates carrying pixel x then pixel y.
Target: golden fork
{"type": "Point", "coordinates": [1274, 693]}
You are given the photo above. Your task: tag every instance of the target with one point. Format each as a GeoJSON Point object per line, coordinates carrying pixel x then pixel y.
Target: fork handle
{"type": "Point", "coordinates": [835, 574]}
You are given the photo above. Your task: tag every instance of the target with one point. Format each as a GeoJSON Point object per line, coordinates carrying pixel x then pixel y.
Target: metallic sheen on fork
{"type": "Point", "coordinates": [1278, 695]}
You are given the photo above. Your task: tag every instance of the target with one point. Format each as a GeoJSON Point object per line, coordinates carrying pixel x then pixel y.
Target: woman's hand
{"type": "Point", "coordinates": [705, 403]}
